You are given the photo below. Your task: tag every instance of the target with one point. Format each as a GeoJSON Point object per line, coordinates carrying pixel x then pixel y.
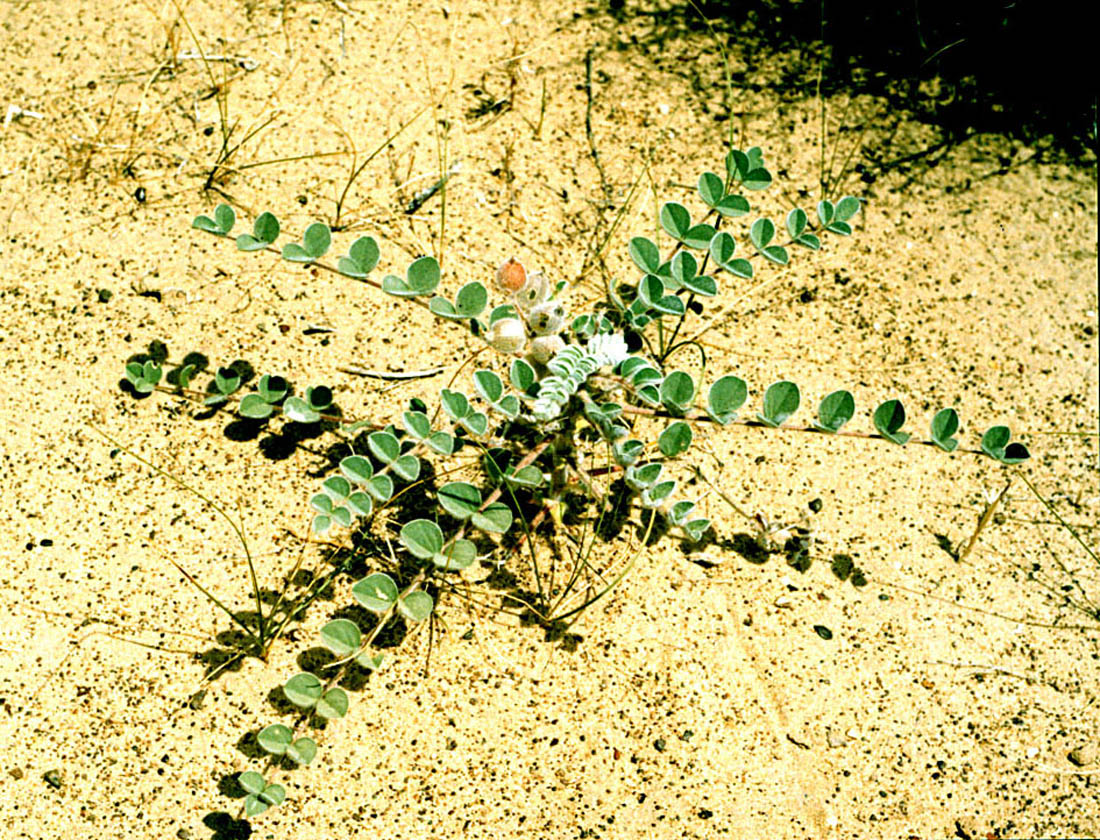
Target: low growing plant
{"type": "Point", "coordinates": [576, 423]}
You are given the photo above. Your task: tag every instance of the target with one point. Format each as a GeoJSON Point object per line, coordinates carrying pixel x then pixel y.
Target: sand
{"type": "Point", "coordinates": [695, 701]}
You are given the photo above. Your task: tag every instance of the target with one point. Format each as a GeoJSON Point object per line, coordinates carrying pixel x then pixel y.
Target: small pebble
{"type": "Point", "coordinates": [783, 602]}
{"type": "Point", "coordinates": [659, 745]}
{"type": "Point", "coordinates": [183, 834]}
{"type": "Point", "coordinates": [1032, 752]}
{"type": "Point", "coordinates": [1083, 755]}
{"type": "Point", "coordinates": [823, 631]}
{"type": "Point", "coordinates": [816, 505]}
{"type": "Point", "coordinates": [104, 295]}
{"type": "Point", "coordinates": [53, 779]}
{"type": "Point", "coordinates": [16, 773]}
{"type": "Point", "coordinates": [835, 739]}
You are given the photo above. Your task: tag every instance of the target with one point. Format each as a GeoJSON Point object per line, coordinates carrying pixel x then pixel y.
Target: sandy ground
{"type": "Point", "coordinates": [700, 702]}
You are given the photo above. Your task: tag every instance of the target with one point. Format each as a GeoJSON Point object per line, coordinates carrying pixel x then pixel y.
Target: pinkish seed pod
{"type": "Point", "coordinates": [511, 276]}
{"type": "Point", "coordinates": [508, 335]}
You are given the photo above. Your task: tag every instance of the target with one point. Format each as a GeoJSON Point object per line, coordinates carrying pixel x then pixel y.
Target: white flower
{"type": "Point", "coordinates": [607, 348]}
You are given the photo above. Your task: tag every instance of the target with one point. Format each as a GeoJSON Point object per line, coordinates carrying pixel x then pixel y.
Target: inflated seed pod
{"type": "Point", "coordinates": [508, 335]}
{"type": "Point", "coordinates": [547, 318]}
{"type": "Point", "coordinates": [512, 276]}
{"type": "Point", "coordinates": [544, 347]}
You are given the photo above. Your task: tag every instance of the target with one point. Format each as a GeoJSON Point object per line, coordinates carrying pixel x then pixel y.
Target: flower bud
{"type": "Point", "coordinates": [508, 335]}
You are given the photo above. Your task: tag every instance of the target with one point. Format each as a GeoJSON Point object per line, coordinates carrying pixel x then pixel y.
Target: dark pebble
{"type": "Point", "coordinates": [816, 505]}
{"type": "Point", "coordinates": [104, 295]}
{"type": "Point", "coordinates": [659, 745]}
{"type": "Point", "coordinates": [53, 779]}
{"type": "Point", "coordinates": [823, 631]}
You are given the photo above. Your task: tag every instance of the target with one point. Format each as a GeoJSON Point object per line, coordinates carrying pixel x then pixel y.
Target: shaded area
{"type": "Point", "coordinates": [1011, 67]}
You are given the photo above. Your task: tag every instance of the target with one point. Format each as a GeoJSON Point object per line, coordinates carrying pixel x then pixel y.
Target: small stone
{"type": "Point", "coordinates": [816, 505]}
{"type": "Point", "coordinates": [104, 295]}
{"type": "Point", "coordinates": [783, 602]}
{"type": "Point", "coordinates": [1083, 755]}
{"type": "Point", "coordinates": [53, 779]}
{"type": "Point", "coordinates": [183, 834]}
{"type": "Point", "coordinates": [16, 773]}
{"type": "Point", "coordinates": [659, 745]}
{"type": "Point", "coordinates": [835, 739]}
{"type": "Point", "coordinates": [823, 631]}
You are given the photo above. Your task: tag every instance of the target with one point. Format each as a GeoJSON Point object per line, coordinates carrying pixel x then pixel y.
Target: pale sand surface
{"type": "Point", "coordinates": [693, 706]}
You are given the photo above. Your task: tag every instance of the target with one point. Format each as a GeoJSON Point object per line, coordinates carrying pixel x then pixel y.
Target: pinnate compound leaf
{"type": "Point", "coordinates": [835, 410]}
{"type": "Point", "coordinates": [376, 592]}
{"type": "Point", "coordinates": [675, 439]}
{"type": "Point", "coordinates": [781, 400]}
{"type": "Point", "coordinates": [888, 419]}
{"type": "Point", "coordinates": [944, 426]}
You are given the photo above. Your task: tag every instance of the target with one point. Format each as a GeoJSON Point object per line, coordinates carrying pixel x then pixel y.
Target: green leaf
{"type": "Point", "coordinates": [733, 206]}
{"type": "Point", "coordinates": [529, 477]}
{"type": "Point", "coordinates": [809, 240]}
{"type": "Point", "coordinates": [303, 690]}
{"type": "Point", "coordinates": [384, 446]}
{"type": "Point", "coordinates": [342, 516]}
{"type": "Point", "coordinates": [835, 410]}
{"type": "Point", "coordinates": [995, 444]}
{"type": "Point", "coordinates": [761, 233]}
{"type": "Point", "coordinates": [221, 224]}
{"type": "Point", "coordinates": [645, 255]}
{"type": "Point", "coordinates": [406, 467]}
{"type": "Point", "coordinates": [256, 804]}
{"type": "Point", "coordinates": [421, 278]}
{"type": "Point", "coordinates": [846, 208]}
{"type": "Point", "coordinates": [441, 442]}
{"type": "Point", "coordinates": [361, 260]}
{"type": "Point", "coordinates": [255, 407]}
{"type": "Point", "coordinates": [725, 397]}
{"type": "Point", "coordinates": [488, 384]}
{"type": "Point", "coordinates": [321, 503]}
{"type": "Point", "coordinates": [653, 496]}
{"type": "Point", "coordinates": [460, 499]}
{"type": "Point", "coordinates": [341, 636]}
{"type": "Point", "coordinates": [272, 388]}
{"type": "Point", "coordinates": [416, 606]}
{"type": "Point", "coordinates": [699, 236]}
{"type": "Point", "coordinates": [826, 212]}
{"type": "Point", "coordinates": [321, 523]}
{"type": "Point", "coordinates": [251, 782]}
{"type": "Point", "coordinates": [380, 488]}
{"type": "Point", "coordinates": [317, 240]}
{"type": "Point", "coordinates": [683, 267]}
{"type": "Point", "coordinates": [455, 403]}
{"type": "Point", "coordinates": [357, 468]}
{"type": "Point", "coordinates": [522, 375]}
{"type": "Point", "coordinates": [675, 219]}
{"type": "Point", "coordinates": [298, 410]}
{"type": "Point", "coordinates": [494, 519]}
{"type": "Point", "coordinates": [372, 662]}
{"type": "Point", "coordinates": [422, 538]}
{"type": "Point", "coordinates": [796, 223]}
{"type": "Point", "coordinates": [888, 419]}
{"type": "Point", "coordinates": [333, 704]}
{"type": "Point", "coordinates": [336, 488]}
{"type": "Point", "coordinates": [696, 529]}
{"type": "Point", "coordinates": [781, 400]}
{"type": "Point", "coordinates": [376, 592]}
{"type": "Point", "coordinates": [459, 555]}
{"type": "Point", "coordinates": [302, 751]}
{"type": "Point", "coordinates": [265, 230]}
{"type": "Point", "coordinates": [712, 189]}
{"type": "Point", "coordinates": [360, 503]}
{"type": "Point", "coordinates": [944, 426]}
{"type": "Point", "coordinates": [643, 477]}
{"type": "Point", "coordinates": [722, 248]}
{"type": "Point", "coordinates": [702, 284]}
{"type": "Point", "coordinates": [678, 391]}
{"type": "Point", "coordinates": [675, 439]}
{"type": "Point", "coordinates": [274, 739]}
{"type": "Point", "coordinates": [471, 300]}
{"type": "Point", "coordinates": [417, 424]}
{"type": "Point", "coordinates": [476, 423]}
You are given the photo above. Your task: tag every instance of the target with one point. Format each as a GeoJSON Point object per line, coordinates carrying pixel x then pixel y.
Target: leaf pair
{"type": "Point", "coordinates": [270, 391]}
